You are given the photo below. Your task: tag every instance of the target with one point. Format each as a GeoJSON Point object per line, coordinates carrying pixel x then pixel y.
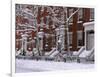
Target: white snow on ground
{"type": "Point", "coordinates": [23, 66]}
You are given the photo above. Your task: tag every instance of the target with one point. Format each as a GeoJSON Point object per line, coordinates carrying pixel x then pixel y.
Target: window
{"type": "Point", "coordinates": [31, 23]}
{"type": "Point", "coordinates": [80, 14]}
{"type": "Point", "coordinates": [79, 38]}
{"type": "Point", "coordinates": [70, 13]}
{"type": "Point", "coordinates": [17, 7]}
{"type": "Point", "coordinates": [92, 14]}
{"type": "Point", "coordinates": [70, 39]}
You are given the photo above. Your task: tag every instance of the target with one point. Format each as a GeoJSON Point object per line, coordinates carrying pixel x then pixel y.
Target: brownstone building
{"type": "Point", "coordinates": [33, 20]}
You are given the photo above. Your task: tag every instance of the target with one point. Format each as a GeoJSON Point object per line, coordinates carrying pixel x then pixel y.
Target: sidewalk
{"type": "Point", "coordinates": [25, 66]}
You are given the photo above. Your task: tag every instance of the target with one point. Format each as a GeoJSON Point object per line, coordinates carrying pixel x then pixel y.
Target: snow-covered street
{"type": "Point", "coordinates": [24, 66]}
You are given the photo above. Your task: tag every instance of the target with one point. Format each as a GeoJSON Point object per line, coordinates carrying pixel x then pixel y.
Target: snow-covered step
{"type": "Point", "coordinates": [77, 53]}
{"type": "Point", "coordinates": [18, 52]}
{"type": "Point", "coordinates": [51, 52]}
{"type": "Point", "coordinates": [86, 53]}
{"type": "Point", "coordinates": [54, 54]}
{"type": "Point", "coordinates": [92, 57]}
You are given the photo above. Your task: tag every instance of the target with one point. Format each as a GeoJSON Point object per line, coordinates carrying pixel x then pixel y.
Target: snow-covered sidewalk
{"type": "Point", "coordinates": [23, 66]}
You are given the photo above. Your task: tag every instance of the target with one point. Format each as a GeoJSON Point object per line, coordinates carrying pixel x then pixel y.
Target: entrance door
{"type": "Point", "coordinates": [90, 41]}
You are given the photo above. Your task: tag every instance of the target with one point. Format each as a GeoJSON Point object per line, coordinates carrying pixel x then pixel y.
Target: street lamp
{"type": "Point", "coordinates": [40, 35]}
{"type": "Point", "coordinates": [59, 45]}
{"type": "Point", "coordinates": [24, 44]}
{"type": "Point", "coordinates": [46, 46]}
{"type": "Point", "coordinates": [59, 41]}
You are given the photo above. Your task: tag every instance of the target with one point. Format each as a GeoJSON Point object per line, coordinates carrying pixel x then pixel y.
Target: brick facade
{"type": "Point", "coordinates": [45, 16]}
